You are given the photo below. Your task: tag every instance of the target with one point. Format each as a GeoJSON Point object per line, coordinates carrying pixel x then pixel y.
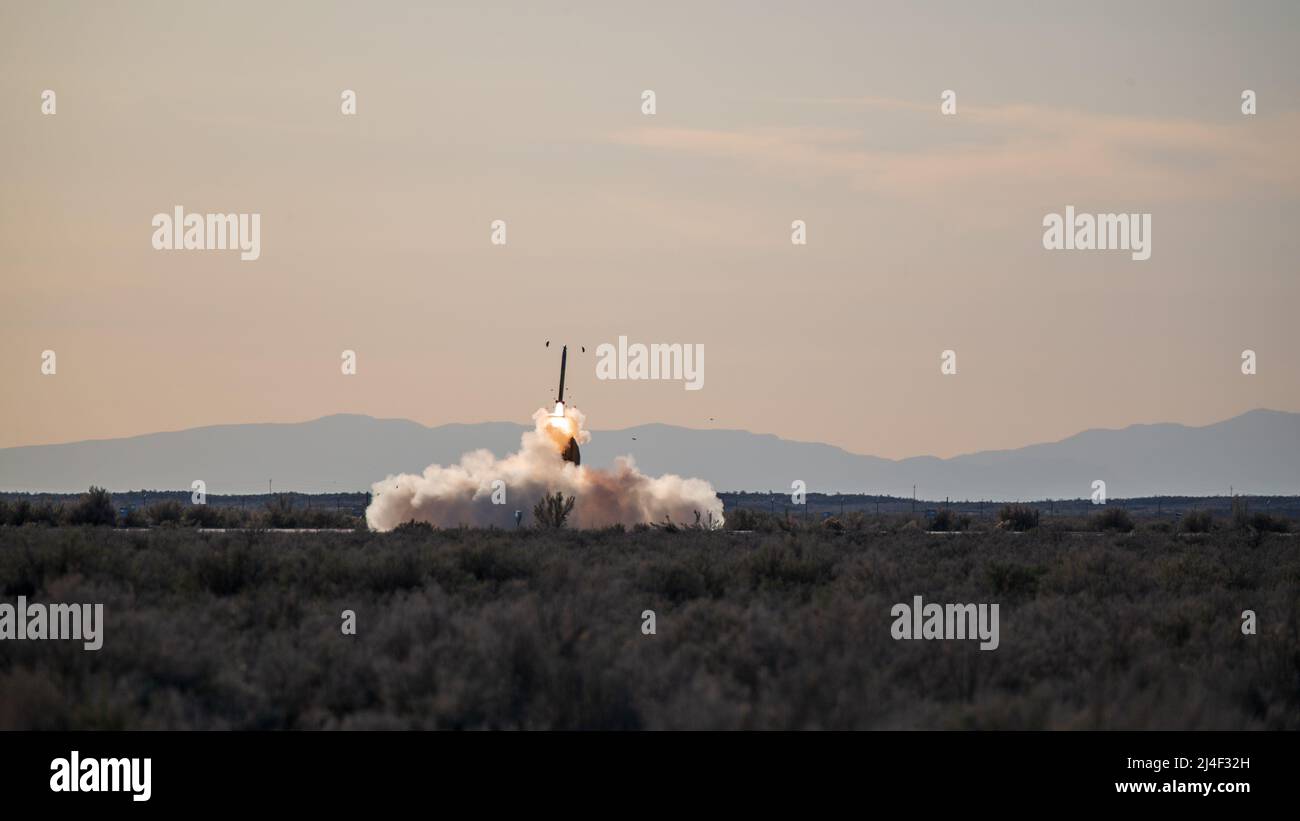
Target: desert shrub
{"type": "Point", "coordinates": [667, 525]}
{"type": "Point", "coordinates": [494, 563]}
{"type": "Point", "coordinates": [1113, 518]}
{"type": "Point", "coordinates": [749, 519]}
{"type": "Point", "coordinates": [1197, 521]}
{"type": "Point", "coordinates": [1018, 517]}
{"type": "Point", "coordinates": [1011, 579]}
{"type": "Point", "coordinates": [21, 572]}
{"type": "Point", "coordinates": [280, 513]}
{"type": "Point", "coordinates": [321, 517]}
{"type": "Point", "coordinates": [133, 517]}
{"type": "Point", "coordinates": [1240, 519]}
{"type": "Point", "coordinates": [552, 511]}
{"type": "Point", "coordinates": [47, 513]}
{"type": "Point", "coordinates": [904, 524]}
{"type": "Point", "coordinates": [705, 522]}
{"type": "Point", "coordinates": [1265, 523]}
{"type": "Point", "coordinates": [202, 516]}
{"type": "Point", "coordinates": [855, 520]}
{"type": "Point", "coordinates": [165, 512]}
{"type": "Point", "coordinates": [19, 513]}
{"type": "Point", "coordinates": [414, 528]}
{"type": "Point", "coordinates": [742, 519]}
{"type": "Point", "coordinates": [674, 581]}
{"type": "Point", "coordinates": [24, 512]}
{"type": "Point", "coordinates": [95, 507]}
{"type": "Point", "coordinates": [779, 566]}
{"type": "Point", "coordinates": [947, 520]}
{"type": "Point", "coordinates": [1068, 524]}
{"type": "Point", "coordinates": [225, 570]}
{"type": "Point", "coordinates": [394, 571]}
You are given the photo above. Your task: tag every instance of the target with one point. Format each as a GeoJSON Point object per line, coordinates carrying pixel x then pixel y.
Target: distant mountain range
{"type": "Point", "coordinates": [1257, 453]}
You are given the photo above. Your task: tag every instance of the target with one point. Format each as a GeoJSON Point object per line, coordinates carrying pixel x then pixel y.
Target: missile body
{"type": "Point", "coordinates": [564, 358]}
{"type": "Point", "coordinates": [571, 452]}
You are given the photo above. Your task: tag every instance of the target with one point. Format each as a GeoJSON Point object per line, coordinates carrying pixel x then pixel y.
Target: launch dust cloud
{"type": "Point", "coordinates": [461, 494]}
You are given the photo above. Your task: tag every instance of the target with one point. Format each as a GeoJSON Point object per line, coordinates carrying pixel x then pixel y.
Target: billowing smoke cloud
{"type": "Point", "coordinates": [463, 493]}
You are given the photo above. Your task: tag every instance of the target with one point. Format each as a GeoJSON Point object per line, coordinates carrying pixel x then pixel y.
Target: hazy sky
{"type": "Point", "coordinates": [924, 230]}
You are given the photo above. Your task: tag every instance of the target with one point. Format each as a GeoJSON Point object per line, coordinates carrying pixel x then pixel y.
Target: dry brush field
{"type": "Point", "coordinates": [543, 629]}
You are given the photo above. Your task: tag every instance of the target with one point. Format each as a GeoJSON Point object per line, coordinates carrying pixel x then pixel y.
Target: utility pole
{"type": "Point", "coordinates": [913, 498]}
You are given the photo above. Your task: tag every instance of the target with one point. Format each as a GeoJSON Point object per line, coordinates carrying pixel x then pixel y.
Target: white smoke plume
{"type": "Point", "coordinates": [461, 494]}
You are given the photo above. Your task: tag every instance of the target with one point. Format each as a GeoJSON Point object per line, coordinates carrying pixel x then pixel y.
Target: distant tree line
{"type": "Point", "coordinates": [96, 508]}
{"type": "Point", "coordinates": [1013, 517]}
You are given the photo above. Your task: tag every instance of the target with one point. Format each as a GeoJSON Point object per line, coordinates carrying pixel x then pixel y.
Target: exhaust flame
{"type": "Point", "coordinates": [560, 420]}
{"type": "Point", "coordinates": [461, 494]}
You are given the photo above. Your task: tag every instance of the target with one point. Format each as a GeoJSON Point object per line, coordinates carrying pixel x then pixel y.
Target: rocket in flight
{"type": "Point", "coordinates": [571, 452]}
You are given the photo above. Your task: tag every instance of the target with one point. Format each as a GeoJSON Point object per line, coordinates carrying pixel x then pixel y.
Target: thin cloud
{"type": "Point", "coordinates": [1026, 149]}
